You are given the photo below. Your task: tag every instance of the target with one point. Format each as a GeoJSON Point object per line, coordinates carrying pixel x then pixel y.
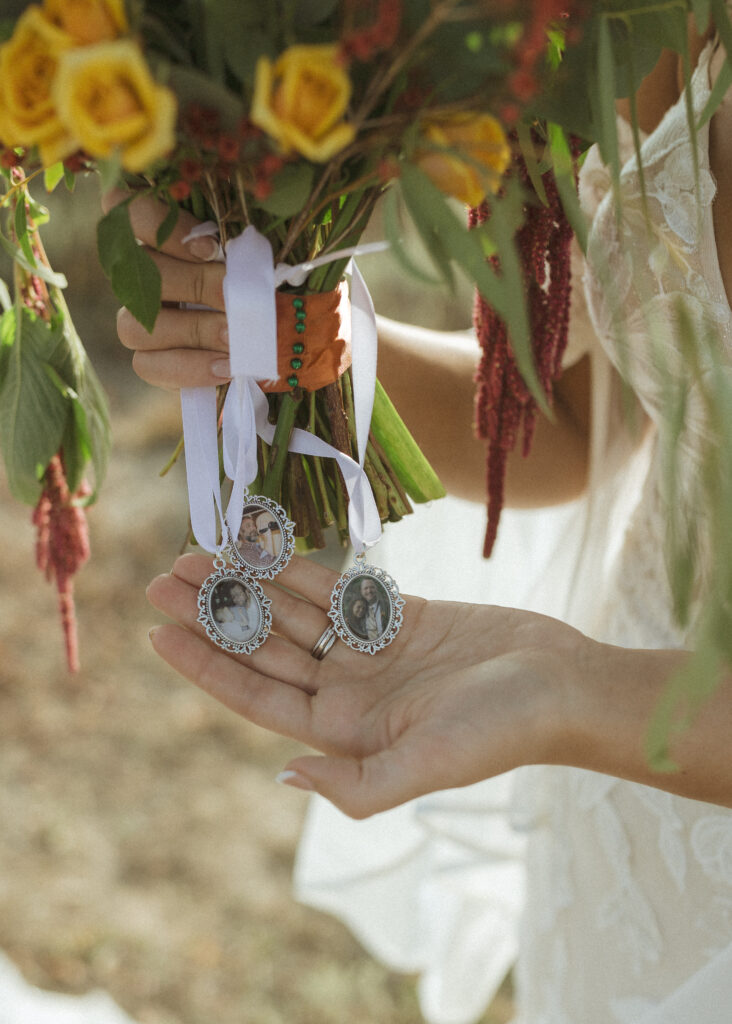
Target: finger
{"type": "Point", "coordinates": [265, 701]}
{"type": "Point", "coordinates": [361, 787]}
{"type": "Point", "coordinates": [298, 620]}
{"type": "Point", "coordinates": [201, 284]}
{"type": "Point", "coordinates": [310, 579]}
{"type": "Point", "coordinates": [278, 658]}
{"type": "Point", "coordinates": [181, 368]}
{"type": "Point", "coordinates": [306, 577]}
{"type": "Point", "coordinates": [175, 328]}
{"type": "Point", "coordinates": [147, 214]}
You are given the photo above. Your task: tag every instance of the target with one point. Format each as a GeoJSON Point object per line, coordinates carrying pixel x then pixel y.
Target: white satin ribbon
{"type": "Point", "coordinates": [249, 296]}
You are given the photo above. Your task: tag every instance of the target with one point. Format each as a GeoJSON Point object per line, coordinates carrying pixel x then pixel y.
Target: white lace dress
{"type": "Point", "coordinates": [627, 902]}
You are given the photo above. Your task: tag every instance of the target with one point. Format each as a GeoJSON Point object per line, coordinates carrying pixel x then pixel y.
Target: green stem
{"type": "Point", "coordinates": [272, 483]}
{"type": "Point", "coordinates": [417, 476]}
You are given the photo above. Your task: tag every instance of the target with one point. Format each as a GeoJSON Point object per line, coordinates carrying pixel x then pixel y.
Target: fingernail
{"type": "Point", "coordinates": [290, 778]}
{"type": "Point", "coordinates": [205, 247]}
{"type": "Point", "coordinates": [221, 368]}
{"type": "Point", "coordinates": [152, 632]}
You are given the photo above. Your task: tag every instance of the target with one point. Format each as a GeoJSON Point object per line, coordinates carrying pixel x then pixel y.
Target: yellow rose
{"type": "Point", "coordinates": [301, 99]}
{"type": "Point", "coordinates": [478, 155]}
{"type": "Point", "coordinates": [107, 97]}
{"type": "Point", "coordinates": [28, 64]}
{"type": "Point", "coordinates": [88, 21]}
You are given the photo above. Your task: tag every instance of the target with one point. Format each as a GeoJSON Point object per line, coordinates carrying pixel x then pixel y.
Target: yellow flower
{"type": "Point", "coordinates": [301, 99]}
{"type": "Point", "coordinates": [28, 65]}
{"type": "Point", "coordinates": [107, 97]}
{"type": "Point", "coordinates": [88, 21]}
{"type": "Point", "coordinates": [478, 155]}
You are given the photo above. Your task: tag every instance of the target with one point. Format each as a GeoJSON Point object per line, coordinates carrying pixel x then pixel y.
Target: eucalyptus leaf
{"type": "Point", "coordinates": [53, 175]}
{"type": "Point", "coordinates": [291, 188]}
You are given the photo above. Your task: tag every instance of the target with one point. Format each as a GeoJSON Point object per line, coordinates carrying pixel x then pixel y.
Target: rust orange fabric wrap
{"type": "Point", "coordinates": [313, 339]}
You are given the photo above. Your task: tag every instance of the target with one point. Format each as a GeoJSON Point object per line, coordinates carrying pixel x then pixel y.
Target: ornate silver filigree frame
{"type": "Point", "coordinates": [287, 529]}
{"type": "Point", "coordinates": [389, 591]}
{"type": "Point", "coordinates": [206, 616]}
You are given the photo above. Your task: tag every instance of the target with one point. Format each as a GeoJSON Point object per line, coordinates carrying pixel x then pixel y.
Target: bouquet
{"type": "Point", "coordinates": [294, 118]}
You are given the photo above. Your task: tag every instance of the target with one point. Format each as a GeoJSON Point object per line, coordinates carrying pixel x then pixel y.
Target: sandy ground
{"type": "Point", "coordinates": [144, 847]}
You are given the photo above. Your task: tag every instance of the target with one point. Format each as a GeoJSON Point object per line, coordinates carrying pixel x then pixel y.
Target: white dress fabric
{"type": "Point", "coordinates": [615, 898]}
{"type": "Point", "coordinates": [21, 1003]}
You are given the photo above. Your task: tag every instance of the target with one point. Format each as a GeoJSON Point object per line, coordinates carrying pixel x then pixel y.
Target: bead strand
{"type": "Point", "coordinates": [298, 348]}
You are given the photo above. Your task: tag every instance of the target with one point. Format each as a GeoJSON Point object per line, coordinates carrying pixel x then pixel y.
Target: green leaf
{"type": "Point", "coordinates": [33, 413]}
{"type": "Point", "coordinates": [528, 152]}
{"type": "Point", "coordinates": [313, 12]}
{"type": "Point", "coordinates": [168, 225]}
{"type": "Point", "coordinates": [21, 231]}
{"type": "Point", "coordinates": [133, 274]}
{"type": "Point", "coordinates": [603, 92]}
{"type": "Point", "coordinates": [53, 175]}
{"type": "Point", "coordinates": [291, 188]}
{"type": "Point", "coordinates": [448, 237]}
{"type": "Point", "coordinates": [243, 50]}
{"type": "Point", "coordinates": [110, 171]}
{"type": "Point", "coordinates": [193, 86]}
{"type": "Point", "coordinates": [566, 184]}
{"type": "Point", "coordinates": [69, 180]}
{"type": "Point", "coordinates": [394, 238]}
{"type": "Point", "coordinates": [40, 270]}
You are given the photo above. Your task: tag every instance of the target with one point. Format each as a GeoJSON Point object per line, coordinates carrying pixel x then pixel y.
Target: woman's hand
{"type": "Point", "coordinates": [463, 692]}
{"type": "Point", "coordinates": [188, 347]}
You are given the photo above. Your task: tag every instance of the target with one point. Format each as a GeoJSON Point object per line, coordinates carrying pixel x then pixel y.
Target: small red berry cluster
{"type": "Point", "coordinates": [523, 83]}
{"type": "Point", "coordinates": [379, 33]}
{"type": "Point", "coordinates": [504, 404]}
{"type": "Point", "coordinates": [221, 152]}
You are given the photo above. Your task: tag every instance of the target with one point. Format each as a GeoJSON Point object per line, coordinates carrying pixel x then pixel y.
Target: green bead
{"type": "Point", "coordinates": [300, 328]}
{"type": "Point", "coordinates": [300, 315]}
{"type": "Point", "coordinates": [298, 303]}
{"type": "Point", "coordinates": [296, 364]}
{"type": "Point", "coordinates": [292, 381]}
{"type": "Point", "coordinates": [298, 347]}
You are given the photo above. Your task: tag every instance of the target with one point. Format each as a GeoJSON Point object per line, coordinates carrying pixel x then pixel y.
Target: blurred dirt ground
{"type": "Point", "coordinates": [144, 846]}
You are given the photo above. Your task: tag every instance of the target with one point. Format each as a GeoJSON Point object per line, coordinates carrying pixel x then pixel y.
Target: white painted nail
{"type": "Point", "coordinates": [290, 778]}
{"type": "Point", "coordinates": [221, 368]}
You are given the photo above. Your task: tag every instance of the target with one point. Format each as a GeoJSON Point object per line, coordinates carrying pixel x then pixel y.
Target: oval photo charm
{"type": "Point", "coordinates": [234, 611]}
{"type": "Point", "coordinates": [266, 541]}
{"type": "Point", "coordinates": [366, 609]}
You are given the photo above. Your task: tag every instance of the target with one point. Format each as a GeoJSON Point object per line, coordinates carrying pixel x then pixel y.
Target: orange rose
{"type": "Point", "coordinates": [301, 99]}
{"type": "Point", "coordinates": [88, 21]}
{"type": "Point", "coordinates": [107, 97]}
{"type": "Point", "coordinates": [467, 157]}
{"type": "Point", "coordinates": [28, 65]}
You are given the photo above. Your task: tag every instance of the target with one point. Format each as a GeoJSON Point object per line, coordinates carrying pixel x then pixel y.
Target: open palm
{"type": "Point", "coordinates": [463, 692]}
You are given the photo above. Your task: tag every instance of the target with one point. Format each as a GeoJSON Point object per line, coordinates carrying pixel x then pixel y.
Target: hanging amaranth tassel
{"type": "Point", "coordinates": [62, 545]}
{"type": "Point", "coordinates": [504, 404]}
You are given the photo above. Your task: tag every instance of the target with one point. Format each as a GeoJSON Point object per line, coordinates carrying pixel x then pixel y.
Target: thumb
{"type": "Point", "coordinates": [361, 787]}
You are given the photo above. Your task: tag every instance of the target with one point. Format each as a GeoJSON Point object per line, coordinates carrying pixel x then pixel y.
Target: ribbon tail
{"type": "Point", "coordinates": [198, 409]}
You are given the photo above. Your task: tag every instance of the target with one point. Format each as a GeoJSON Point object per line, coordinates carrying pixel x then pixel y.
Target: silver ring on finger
{"type": "Point", "coordinates": [323, 644]}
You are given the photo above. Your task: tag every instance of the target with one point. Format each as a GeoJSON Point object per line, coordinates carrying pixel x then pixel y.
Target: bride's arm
{"type": "Point", "coordinates": [463, 692]}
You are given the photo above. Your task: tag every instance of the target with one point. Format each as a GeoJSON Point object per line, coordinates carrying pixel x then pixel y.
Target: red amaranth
{"type": "Point", "coordinates": [62, 545]}
{"type": "Point", "coordinates": [504, 404]}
